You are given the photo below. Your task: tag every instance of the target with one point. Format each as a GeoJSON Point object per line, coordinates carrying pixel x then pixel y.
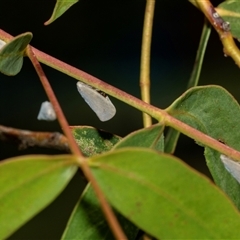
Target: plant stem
{"type": "Point", "coordinates": [171, 140]}
{"type": "Point", "coordinates": [96, 83]}
{"type": "Point", "coordinates": [110, 217]}
{"type": "Point", "coordinates": [194, 79]}
{"type": "Point", "coordinates": [56, 106]}
{"type": "Point", "coordinates": [145, 58]}
{"type": "Point", "coordinates": [172, 135]}
{"type": "Point", "coordinates": [159, 114]}
{"type": "Point", "coordinates": [202, 138]}
{"type": "Point", "coordinates": [230, 48]}
{"type": "Point", "coordinates": [26, 138]}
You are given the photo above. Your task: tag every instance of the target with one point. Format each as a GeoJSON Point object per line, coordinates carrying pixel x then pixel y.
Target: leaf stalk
{"type": "Point", "coordinates": [145, 58]}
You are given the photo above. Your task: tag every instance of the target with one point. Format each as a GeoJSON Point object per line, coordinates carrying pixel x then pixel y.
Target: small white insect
{"type": "Point", "coordinates": [226, 26]}
{"type": "Point", "coordinates": [231, 166]}
{"type": "Point", "coordinates": [46, 112]}
{"type": "Point", "coordinates": [2, 43]}
{"type": "Point", "coordinates": [98, 101]}
{"type": "Point", "coordinates": [216, 15]}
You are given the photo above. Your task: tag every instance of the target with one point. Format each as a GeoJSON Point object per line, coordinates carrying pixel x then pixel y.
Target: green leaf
{"type": "Point", "coordinates": [60, 8]}
{"type": "Point", "coordinates": [151, 137]}
{"type": "Point", "coordinates": [88, 222]}
{"type": "Point", "coordinates": [28, 184]}
{"type": "Point", "coordinates": [171, 140]}
{"type": "Point", "coordinates": [87, 211]}
{"type": "Point", "coordinates": [11, 54]}
{"type": "Point", "coordinates": [230, 12]}
{"type": "Point", "coordinates": [212, 110]}
{"type": "Point", "coordinates": [93, 141]}
{"type": "Point", "coordinates": [172, 135]}
{"type": "Point", "coordinates": [165, 197]}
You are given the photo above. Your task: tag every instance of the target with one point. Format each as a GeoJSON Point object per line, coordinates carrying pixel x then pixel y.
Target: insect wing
{"type": "Point", "coordinates": [99, 103]}
{"type": "Point", "coordinates": [2, 43]}
{"type": "Point", "coordinates": [231, 166]}
{"type": "Point", "coordinates": [46, 112]}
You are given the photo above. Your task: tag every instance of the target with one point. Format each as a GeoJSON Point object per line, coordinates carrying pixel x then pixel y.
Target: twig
{"type": "Point", "coordinates": [195, 75]}
{"type": "Point", "coordinates": [25, 138]}
{"type": "Point", "coordinates": [57, 108]}
{"type": "Point", "coordinates": [145, 58]}
{"type": "Point", "coordinates": [157, 113]}
{"type": "Point", "coordinates": [173, 135]}
{"type": "Point", "coordinates": [107, 210]}
{"type": "Point", "coordinates": [222, 28]}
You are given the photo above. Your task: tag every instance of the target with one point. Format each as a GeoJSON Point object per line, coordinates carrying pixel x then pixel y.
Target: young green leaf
{"type": "Point", "coordinates": [28, 184]}
{"type": "Point", "coordinates": [12, 53]}
{"type": "Point", "coordinates": [60, 8]}
{"type": "Point", "coordinates": [212, 110]}
{"type": "Point", "coordinates": [230, 12]}
{"type": "Point", "coordinates": [165, 197]}
{"type": "Point", "coordinates": [93, 141]}
{"type": "Point", "coordinates": [88, 222]}
{"type": "Point", "coordinates": [151, 137]}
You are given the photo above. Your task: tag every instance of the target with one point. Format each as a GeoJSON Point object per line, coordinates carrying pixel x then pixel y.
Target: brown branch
{"type": "Point", "coordinates": [25, 138]}
{"type": "Point", "coordinates": [222, 28]}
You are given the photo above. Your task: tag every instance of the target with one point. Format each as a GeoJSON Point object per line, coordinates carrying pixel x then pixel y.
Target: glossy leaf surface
{"type": "Point", "coordinates": [88, 222]}
{"type": "Point", "coordinates": [28, 184]}
{"type": "Point", "coordinates": [214, 111]}
{"type": "Point", "coordinates": [87, 212]}
{"type": "Point", "coordinates": [60, 8]}
{"type": "Point", "coordinates": [151, 137]}
{"type": "Point", "coordinates": [12, 53]}
{"type": "Point", "coordinates": [93, 141]}
{"type": "Point", "coordinates": [165, 197]}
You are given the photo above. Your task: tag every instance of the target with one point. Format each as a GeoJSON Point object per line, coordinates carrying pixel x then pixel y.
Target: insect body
{"type": "Point", "coordinates": [232, 166]}
{"type": "Point", "coordinates": [2, 43]}
{"type": "Point", "coordinates": [98, 101]}
{"type": "Point", "coordinates": [46, 112]}
{"type": "Point", "coordinates": [219, 22]}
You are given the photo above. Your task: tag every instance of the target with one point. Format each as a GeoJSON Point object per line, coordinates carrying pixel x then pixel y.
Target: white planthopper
{"type": "Point", "coordinates": [98, 101]}
{"type": "Point", "coordinates": [231, 166]}
{"type": "Point", "coordinates": [2, 43]}
{"type": "Point", "coordinates": [46, 112]}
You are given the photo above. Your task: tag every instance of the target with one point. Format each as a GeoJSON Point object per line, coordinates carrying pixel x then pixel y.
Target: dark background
{"type": "Point", "coordinates": [103, 38]}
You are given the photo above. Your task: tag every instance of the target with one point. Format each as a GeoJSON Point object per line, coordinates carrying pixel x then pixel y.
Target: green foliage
{"type": "Point", "coordinates": [87, 211]}
{"type": "Point", "coordinates": [214, 111]}
{"type": "Point", "coordinates": [60, 8]}
{"type": "Point", "coordinates": [151, 137]}
{"type": "Point", "coordinates": [147, 187]}
{"type": "Point", "coordinates": [231, 12]}
{"type": "Point", "coordinates": [93, 141]}
{"type": "Point", "coordinates": [28, 184]}
{"type": "Point", "coordinates": [88, 222]}
{"type": "Point", "coordinates": [11, 55]}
